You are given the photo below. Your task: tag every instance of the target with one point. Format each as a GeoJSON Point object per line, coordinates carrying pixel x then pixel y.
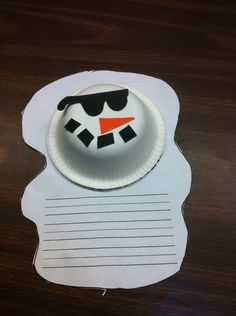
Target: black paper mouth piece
{"type": "Point", "coordinates": [105, 140]}
{"type": "Point", "coordinates": [93, 103]}
{"type": "Point", "coordinates": [127, 133]}
{"type": "Point", "coordinates": [72, 125]}
{"type": "Point", "coordinates": [86, 137]}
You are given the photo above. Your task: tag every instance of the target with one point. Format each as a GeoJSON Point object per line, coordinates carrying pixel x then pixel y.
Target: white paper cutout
{"type": "Point", "coordinates": [122, 238]}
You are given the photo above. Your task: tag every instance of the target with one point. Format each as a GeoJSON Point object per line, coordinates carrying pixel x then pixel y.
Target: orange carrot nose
{"type": "Point", "coordinates": [108, 124]}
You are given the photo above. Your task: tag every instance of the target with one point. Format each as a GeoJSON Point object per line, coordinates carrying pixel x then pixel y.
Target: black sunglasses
{"type": "Point", "coordinates": [93, 103]}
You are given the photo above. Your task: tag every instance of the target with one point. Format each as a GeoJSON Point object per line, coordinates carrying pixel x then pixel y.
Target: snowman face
{"type": "Point", "coordinates": [100, 120]}
{"type": "Point", "coordinates": [106, 136]}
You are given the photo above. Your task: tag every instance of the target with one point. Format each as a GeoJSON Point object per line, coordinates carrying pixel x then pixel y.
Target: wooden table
{"type": "Point", "coordinates": [189, 44]}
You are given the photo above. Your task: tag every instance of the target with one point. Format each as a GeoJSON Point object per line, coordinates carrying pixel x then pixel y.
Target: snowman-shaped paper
{"type": "Point", "coordinates": [102, 137]}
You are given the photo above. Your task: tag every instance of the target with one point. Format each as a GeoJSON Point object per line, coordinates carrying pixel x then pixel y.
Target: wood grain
{"type": "Point", "coordinates": [189, 44]}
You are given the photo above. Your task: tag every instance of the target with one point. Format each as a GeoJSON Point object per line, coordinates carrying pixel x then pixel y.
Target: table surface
{"type": "Point", "coordinates": [189, 44]}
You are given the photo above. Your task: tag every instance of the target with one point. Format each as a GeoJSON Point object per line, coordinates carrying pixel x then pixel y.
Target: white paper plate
{"type": "Point", "coordinates": [118, 164]}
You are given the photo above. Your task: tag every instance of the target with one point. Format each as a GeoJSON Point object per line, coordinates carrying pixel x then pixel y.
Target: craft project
{"type": "Point", "coordinates": [108, 205]}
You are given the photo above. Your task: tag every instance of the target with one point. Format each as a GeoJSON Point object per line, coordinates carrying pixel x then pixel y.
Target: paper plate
{"type": "Point", "coordinates": [106, 136]}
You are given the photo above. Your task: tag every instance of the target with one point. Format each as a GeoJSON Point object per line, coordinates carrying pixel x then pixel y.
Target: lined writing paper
{"type": "Point", "coordinates": [102, 231]}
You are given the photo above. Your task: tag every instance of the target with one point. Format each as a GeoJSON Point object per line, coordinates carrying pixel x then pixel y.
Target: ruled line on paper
{"type": "Point", "coordinates": [110, 247]}
{"type": "Point", "coordinates": [96, 222]}
{"type": "Point", "coordinates": [108, 237]}
{"type": "Point", "coordinates": [108, 212]}
{"type": "Point", "coordinates": [117, 256]}
{"type": "Point", "coordinates": [105, 229]}
{"type": "Point", "coordinates": [103, 204]}
{"type": "Point", "coordinates": [104, 196]}
{"type": "Point", "coordinates": [112, 265]}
